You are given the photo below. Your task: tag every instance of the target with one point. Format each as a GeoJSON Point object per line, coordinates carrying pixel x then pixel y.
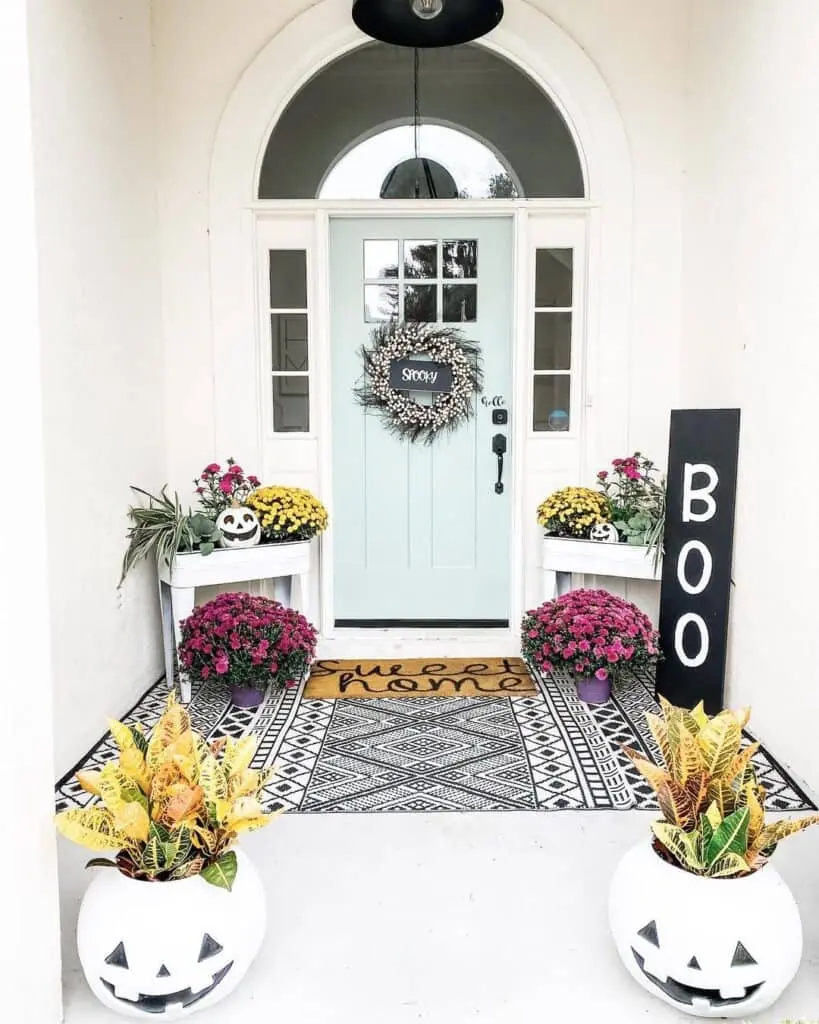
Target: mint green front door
{"type": "Point", "coordinates": [421, 536]}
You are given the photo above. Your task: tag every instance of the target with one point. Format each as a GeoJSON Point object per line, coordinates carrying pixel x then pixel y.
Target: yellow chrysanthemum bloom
{"type": "Point", "coordinates": [572, 511]}
{"type": "Point", "coordinates": [288, 513]}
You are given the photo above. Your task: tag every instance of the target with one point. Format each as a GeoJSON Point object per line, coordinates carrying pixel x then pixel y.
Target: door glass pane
{"type": "Point", "coordinates": [288, 333]}
{"type": "Point", "coordinates": [421, 303]}
{"type": "Point", "coordinates": [421, 259]}
{"type": "Point", "coordinates": [460, 303]}
{"type": "Point", "coordinates": [288, 279]}
{"type": "Point", "coordinates": [380, 302]}
{"type": "Point", "coordinates": [380, 258]}
{"type": "Point", "coordinates": [553, 341]}
{"type": "Point", "coordinates": [552, 402]}
{"type": "Point", "coordinates": [291, 404]}
{"type": "Point", "coordinates": [553, 277]}
{"type": "Point", "coordinates": [460, 259]}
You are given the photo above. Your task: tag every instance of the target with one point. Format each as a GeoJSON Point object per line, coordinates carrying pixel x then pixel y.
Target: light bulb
{"type": "Point", "coordinates": [427, 9]}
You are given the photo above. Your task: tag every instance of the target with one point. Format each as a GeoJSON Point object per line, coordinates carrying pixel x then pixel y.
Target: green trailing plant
{"type": "Point", "coordinates": [161, 529]}
{"type": "Point", "coordinates": [713, 806]}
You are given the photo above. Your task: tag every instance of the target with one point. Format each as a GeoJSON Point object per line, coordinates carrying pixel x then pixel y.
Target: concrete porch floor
{"type": "Point", "coordinates": [447, 919]}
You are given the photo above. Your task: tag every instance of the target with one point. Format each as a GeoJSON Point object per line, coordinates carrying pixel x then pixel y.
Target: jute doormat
{"type": "Point", "coordinates": [420, 677]}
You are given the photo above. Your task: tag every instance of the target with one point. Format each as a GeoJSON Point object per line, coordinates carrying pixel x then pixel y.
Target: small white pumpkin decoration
{"type": "Point", "coordinates": [239, 527]}
{"type": "Point", "coordinates": [605, 532]}
{"type": "Point", "coordinates": [168, 949]}
{"type": "Point", "coordinates": [710, 947]}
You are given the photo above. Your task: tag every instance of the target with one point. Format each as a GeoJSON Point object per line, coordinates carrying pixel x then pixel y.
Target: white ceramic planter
{"type": "Point", "coordinates": [710, 947]}
{"type": "Point", "coordinates": [168, 949]}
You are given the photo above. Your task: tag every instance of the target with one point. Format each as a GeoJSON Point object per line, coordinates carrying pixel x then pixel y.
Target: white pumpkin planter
{"type": "Point", "coordinates": [710, 947]}
{"type": "Point", "coordinates": [168, 949]}
{"type": "Point", "coordinates": [239, 527]}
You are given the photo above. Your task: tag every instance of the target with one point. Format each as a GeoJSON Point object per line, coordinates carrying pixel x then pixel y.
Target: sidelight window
{"type": "Point", "coordinates": [553, 323]}
{"type": "Point", "coordinates": [289, 340]}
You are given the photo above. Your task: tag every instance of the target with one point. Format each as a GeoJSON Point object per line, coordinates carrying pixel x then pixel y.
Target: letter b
{"type": "Point", "coordinates": [703, 494]}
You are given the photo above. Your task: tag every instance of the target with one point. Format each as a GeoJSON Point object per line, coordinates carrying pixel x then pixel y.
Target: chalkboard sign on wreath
{"type": "Point", "coordinates": [420, 375]}
{"type": "Point", "coordinates": [452, 373]}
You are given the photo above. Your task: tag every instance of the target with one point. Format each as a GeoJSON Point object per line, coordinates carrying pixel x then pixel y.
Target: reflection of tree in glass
{"type": "Point", "coordinates": [501, 186]}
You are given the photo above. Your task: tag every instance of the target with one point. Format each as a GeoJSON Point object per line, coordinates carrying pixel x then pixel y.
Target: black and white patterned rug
{"type": "Point", "coordinates": [537, 752]}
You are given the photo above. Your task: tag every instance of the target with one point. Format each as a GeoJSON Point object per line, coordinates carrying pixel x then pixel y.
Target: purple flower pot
{"type": "Point", "coordinates": [246, 696]}
{"type": "Point", "coordinates": [594, 691]}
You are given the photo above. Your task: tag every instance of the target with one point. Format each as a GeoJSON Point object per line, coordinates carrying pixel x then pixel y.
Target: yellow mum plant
{"type": "Point", "coordinates": [573, 511]}
{"type": "Point", "coordinates": [172, 805]}
{"type": "Point", "coordinates": [288, 513]}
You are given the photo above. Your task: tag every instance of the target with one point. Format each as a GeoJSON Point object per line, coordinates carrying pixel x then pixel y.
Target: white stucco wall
{"type": "Point", "coordinates": [202, 48]}
{"type": "Point", "coordinates": [751, 324]}
{"type": "Point", "coordinates": [92, 104]}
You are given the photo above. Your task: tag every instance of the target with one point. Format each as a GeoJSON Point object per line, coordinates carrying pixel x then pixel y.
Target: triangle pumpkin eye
{"type": "Point", "coordinates": [742, 958]}
{"type": "Point", "coordinates": [117, 957]}
{"type": "Point", "coordinates": [210, 947]}
{"type": "Point", "coordinates": [649, 933]}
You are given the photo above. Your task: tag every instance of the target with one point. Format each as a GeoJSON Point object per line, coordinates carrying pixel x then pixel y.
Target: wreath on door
{"type": "Point", "coordinates": [403, 415]}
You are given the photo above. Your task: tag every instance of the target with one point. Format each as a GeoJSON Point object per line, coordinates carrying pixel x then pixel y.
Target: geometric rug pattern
{"type": "Point", "coordinates": [544, 751]}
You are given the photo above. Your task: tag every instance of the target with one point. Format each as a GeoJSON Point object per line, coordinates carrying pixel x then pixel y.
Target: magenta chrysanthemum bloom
{"type": "Point", "coordinates": [245, 640]}
{"type": "Point", "coordinates": [617, 636]}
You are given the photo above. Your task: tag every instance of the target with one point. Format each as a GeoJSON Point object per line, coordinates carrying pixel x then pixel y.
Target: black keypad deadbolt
{"type": "Point", "coordinates": [500, 417]}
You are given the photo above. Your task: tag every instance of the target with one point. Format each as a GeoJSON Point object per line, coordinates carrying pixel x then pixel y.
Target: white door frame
{"type": "Point", "coordinates": [542, 50]}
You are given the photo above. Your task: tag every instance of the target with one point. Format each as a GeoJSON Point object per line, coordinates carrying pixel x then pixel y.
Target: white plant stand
{"type": "Point", "coordinates": [562, 556]}
{"type": "Point", "coordinates": [178, 583]}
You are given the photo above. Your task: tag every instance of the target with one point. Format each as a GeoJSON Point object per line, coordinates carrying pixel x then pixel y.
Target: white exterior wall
{"type": "Point", "coordinates": [102, 363]}
{"type": "Point", "coordinates": [201, 51]}
{"type": "Point", "coordinates": [751, 324]}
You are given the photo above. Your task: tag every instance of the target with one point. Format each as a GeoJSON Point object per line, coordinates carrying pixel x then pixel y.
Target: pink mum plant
{"type": "Point", "coordinates": [589, 633]}
{"type": "Point", "coordinates": [247, 641]}
{"type": "Point", "coordinates": [218, 489]}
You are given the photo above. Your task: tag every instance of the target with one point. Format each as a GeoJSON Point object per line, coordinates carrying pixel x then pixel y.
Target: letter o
{"type": "Point", "coordinates": [707, 567]}
{"type": "Point", "coordinates": [690, 618]}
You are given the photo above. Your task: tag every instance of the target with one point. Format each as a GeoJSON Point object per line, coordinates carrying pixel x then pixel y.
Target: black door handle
{"type": "Point", "coordinates": [499, 449]}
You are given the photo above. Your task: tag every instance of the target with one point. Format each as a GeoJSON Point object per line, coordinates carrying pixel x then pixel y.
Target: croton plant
{"type": "Point", "coordinates": [712, 803]}
{"type": "Point", "coordinates": [172, 805]}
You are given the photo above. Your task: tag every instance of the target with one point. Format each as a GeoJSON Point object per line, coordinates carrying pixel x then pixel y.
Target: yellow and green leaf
{"type": "Point", "coordinates": [730, 864]}
{"type": "Point", "coordinates": [132, 821]}
{"type": "Point", "coordinates": [238, 755]}
{"type": "Point", "coordinates": [719, 742]}
{"type": "Point", "coordinates": [222, 872]}
{"type": "Point", "coordinates": [676, 805]}
{"type": "Point", "coordinates": [92, 827]}
{"type": "Point", "coordinates": [730, 837]}
{"type": "Point", "coordinates": [680, 844]}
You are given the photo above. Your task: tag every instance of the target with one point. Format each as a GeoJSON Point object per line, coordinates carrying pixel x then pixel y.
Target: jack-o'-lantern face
{"type": "Point", "coordinates": [703, 986]}
{"type": "Point", "coordinates": [240, 528]}
{"type": "Point", "coordinates": [121, 987]}
{"type": "Point", "coordinates": [168, 949]}
{"type": "Point", "coordinates": [606, 532]}
{"type": "Point", "coordinates": [709, 947]}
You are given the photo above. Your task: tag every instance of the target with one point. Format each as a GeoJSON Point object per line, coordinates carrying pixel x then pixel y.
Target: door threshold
{"type": "Point", "coordinates": [436, 642]}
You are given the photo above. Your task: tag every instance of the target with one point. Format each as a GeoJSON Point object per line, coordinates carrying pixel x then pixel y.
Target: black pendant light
{"type": "Point", "coordinates": [427, 23]}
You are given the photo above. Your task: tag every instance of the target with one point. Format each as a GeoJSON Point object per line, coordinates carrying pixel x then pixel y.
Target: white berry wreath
{"type": "Point", "coordinates": [401, 414]}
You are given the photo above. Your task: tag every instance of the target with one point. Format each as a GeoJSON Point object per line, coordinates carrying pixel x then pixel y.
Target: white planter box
{"type": "Point", "coordinates": [236, 565]}
{"type": "Point", "coordinates": [177, 584]}
{"type": "Point", "coordinates": [562, 556]}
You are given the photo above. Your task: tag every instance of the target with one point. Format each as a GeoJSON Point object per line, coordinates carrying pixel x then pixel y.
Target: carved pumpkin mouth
{"type": "Point", "coordinates": [247, 535]}
{"type": "Point", "coordinates": [688, 994]}
{"type": "Point", "coordinates": [159, 1004]}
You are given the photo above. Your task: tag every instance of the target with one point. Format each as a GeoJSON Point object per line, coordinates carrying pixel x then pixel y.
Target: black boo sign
{"type": "Point", "coordinates": [418, 375]}
{"type": "Point", "coordinates": [699, 531]}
